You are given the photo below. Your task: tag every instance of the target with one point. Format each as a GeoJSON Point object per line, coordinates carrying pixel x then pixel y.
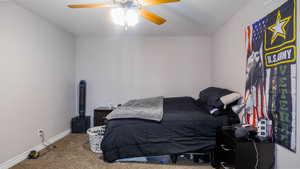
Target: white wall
{"type": "Point", "coordinates": [229, 61]}
{"type": "Point", "coordinates": [37, 79]}
{"type": "Point", "coordinates": [119, 69]}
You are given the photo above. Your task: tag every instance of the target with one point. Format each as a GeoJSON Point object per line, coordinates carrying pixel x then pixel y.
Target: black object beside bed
{"type": "Point", "coordinates": [187, 126]}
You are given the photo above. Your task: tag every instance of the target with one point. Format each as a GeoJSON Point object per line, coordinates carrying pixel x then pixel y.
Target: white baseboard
{"type": "Point", "coordinates": [19, 158]}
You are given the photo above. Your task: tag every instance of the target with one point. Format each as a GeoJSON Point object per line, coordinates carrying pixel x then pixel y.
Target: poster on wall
{"type": "Point", "coordinates": [270, 93]}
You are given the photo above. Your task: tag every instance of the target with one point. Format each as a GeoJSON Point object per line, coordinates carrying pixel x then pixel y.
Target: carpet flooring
{"type": "Point", "coordinates": [72, 152]}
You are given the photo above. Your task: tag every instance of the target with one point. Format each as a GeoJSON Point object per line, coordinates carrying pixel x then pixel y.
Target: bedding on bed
{"type": "Point", "coordinates": [185, 127]}
{"type": "Point", "coordinates": [147, 109]}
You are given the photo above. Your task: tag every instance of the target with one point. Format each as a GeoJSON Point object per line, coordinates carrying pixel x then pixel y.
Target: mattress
{"type": "Point", "coordinates": [186, 127]}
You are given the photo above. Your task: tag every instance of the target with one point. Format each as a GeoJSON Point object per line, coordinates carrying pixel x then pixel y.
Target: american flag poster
{"type": "Point", "coordinates": [270, 92]}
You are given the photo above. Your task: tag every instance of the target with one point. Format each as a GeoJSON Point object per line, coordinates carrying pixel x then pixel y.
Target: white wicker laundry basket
{"type": "Point", "coordinates": [95, 138]}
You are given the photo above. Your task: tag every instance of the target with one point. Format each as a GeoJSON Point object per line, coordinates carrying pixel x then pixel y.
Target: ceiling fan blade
{"type": "Point", "coordinates": [91, 6]}
{"type": "Point", "coordinates": [157, 2]}
{"type": "Point", "coordinates": [152, 17]}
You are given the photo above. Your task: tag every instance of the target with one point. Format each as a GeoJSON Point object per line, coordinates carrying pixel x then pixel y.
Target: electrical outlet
{"type": "Point", "coordinates": [40, 132]}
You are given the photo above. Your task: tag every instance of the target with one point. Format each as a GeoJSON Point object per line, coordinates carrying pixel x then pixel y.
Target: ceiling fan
{"type": "Point", "coordinates": [125, 7]}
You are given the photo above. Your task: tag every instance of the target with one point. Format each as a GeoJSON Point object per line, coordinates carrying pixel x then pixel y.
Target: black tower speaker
{"type": "Point", "coordinates": [81, 123]}
{"type": "Point", "coordinates": [82, 96]}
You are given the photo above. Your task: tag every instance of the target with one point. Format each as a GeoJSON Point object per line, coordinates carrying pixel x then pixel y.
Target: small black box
{"type": "Point", "coordinates": [80, 124]}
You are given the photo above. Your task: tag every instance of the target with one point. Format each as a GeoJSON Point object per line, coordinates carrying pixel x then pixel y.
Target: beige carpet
{"type": "Point", "coordinates": [72, 152]}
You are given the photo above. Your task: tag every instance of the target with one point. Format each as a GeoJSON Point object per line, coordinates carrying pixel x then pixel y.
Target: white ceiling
{"type": "Point", "coordinates": [189, 17]}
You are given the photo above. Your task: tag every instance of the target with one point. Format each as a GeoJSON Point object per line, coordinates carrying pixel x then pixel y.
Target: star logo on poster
{"type": "Point", "coordinates": [278, 28]}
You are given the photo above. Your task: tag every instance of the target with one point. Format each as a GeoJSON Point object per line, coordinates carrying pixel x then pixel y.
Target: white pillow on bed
{"type": "Point", "coordinates": [230, 98]}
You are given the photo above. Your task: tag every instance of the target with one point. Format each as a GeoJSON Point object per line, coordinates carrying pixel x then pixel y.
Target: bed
{"type": "Point", "coordinates": [186, 126]}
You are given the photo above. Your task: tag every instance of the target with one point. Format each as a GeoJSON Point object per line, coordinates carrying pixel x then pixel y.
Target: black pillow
{"type": "Point", "coordinates": [211, 97]}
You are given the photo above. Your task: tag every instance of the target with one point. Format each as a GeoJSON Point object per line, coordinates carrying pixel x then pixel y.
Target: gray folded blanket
{"type": "Point", "coordinates": [148, 109]}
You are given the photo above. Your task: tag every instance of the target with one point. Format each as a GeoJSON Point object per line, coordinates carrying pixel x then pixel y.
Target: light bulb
{"type": "Point", "coordinates": [118, 16]}
{"type": "Point", "coordinates": [131, 18]}
{"type": "Point", "coordinates": [123, 17]}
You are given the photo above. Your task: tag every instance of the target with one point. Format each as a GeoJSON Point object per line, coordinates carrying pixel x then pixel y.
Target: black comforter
{"type": "Point", "coordinates": [186, 127]}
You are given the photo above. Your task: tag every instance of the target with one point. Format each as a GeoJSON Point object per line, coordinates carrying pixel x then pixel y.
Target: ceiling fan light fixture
{"type": "Point", "coordinates": [118, 15]}
{"type": "Point", "coordinates": [124, 17]}
{"type": "Point", "coordinates": [131, 17]}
